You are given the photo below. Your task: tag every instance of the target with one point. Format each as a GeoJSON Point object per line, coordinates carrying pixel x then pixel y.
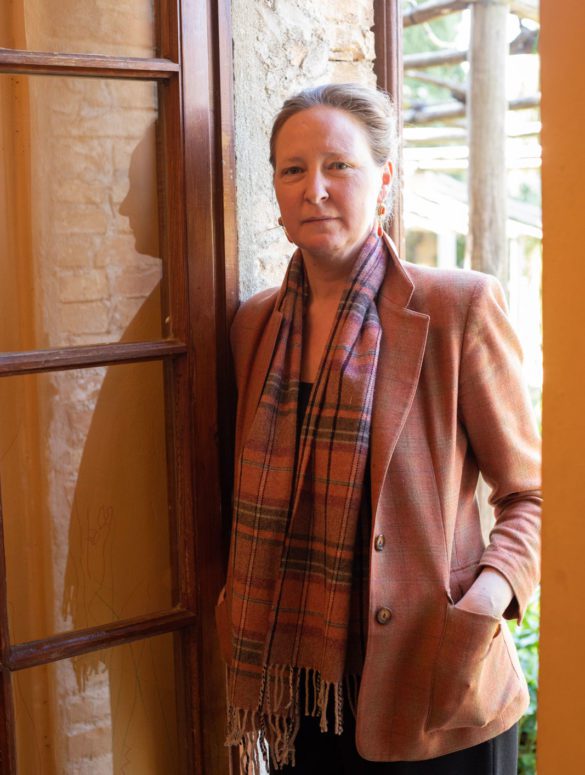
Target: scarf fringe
{"type": "Point", "coordinates": [271, 733]}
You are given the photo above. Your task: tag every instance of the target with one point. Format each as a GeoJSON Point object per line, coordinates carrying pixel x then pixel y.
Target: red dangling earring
{"type": "Point", "coordinates": [381, 211]}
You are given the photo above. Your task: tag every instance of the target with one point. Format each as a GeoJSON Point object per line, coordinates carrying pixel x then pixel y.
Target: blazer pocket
{"type": "Point", "coordinates": [222, 625]}
{"type": "Point", "coordinates": [474, 678]}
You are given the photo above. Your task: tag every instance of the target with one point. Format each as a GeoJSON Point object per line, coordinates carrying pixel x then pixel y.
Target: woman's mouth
{"type": "Point", "coordinates": [318, 218]}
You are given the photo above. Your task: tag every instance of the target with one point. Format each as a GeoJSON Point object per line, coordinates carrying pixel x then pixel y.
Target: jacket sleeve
{"type": "Point", "coordinates": [495, 410]}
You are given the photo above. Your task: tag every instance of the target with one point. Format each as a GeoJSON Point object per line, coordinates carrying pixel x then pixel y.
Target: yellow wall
{"type": "Point", "coordinates": [562, 696]}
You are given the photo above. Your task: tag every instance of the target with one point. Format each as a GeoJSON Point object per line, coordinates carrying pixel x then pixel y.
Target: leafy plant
{"type": "Point", "coordinates": [526, 636]}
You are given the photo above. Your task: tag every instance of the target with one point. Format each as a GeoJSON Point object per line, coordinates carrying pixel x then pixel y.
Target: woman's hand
{"type": "Point", "coordinates": [490, 594]}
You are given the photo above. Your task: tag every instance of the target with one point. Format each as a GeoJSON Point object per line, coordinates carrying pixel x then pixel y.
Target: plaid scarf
{"type": "Point", "coordinates": [294, 592]}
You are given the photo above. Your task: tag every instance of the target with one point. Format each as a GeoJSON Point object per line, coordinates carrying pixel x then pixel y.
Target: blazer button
{"type": "Point", "coordinates": [379, 543]}
{"type": "Point", "coordinates": [383, 615]}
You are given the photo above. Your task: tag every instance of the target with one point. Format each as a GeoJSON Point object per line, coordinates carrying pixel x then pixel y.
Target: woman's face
{"type": "Point", "coordinates": [327, 184]}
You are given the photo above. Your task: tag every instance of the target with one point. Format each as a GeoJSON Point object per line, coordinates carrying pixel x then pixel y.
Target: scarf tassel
{"type": "Point", "coordinates": [271, 734]}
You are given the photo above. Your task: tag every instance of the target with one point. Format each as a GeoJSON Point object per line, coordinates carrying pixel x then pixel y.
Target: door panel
{"type": "Point", "coordinates": [112, 27]}
{"type": "Point", "coordinates": [81, 219]}
{"type": "Point", "coordinates": [85, 497]}
{"type": "Point", "coordinates": [105, 713]}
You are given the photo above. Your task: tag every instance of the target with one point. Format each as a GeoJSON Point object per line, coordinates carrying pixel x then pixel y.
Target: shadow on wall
{"type": "Point", "coordinates": [119, 553]}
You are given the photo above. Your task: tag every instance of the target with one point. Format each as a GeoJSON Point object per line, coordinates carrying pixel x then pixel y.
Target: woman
{"type": "Point", "coordinates": [370, 395]}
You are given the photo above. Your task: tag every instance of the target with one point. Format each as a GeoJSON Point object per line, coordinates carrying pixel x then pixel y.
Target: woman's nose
{"type": "Point", "coordinates": [316, 188]}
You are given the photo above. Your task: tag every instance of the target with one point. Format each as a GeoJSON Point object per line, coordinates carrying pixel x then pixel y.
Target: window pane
{"type": "Point", "coordinates": [79, 248]}
{"type": "Point", "coordinates": [112, 27]}
{"type": "Point", "coordinates": [105, 713]}
{"type": "Point", "coordinates": [84, 497]}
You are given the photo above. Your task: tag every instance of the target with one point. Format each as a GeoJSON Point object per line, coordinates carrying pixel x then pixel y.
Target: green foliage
{"type": "Point", "coordinates": [435, 35]}
{"type": "Point", "coordinates": [529, 192]}
{"type": "Point", "coordinates": [526, 638]}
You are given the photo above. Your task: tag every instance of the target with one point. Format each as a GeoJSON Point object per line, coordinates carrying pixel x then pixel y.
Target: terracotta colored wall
{"type": "Point", "coordinates": [562, 698]}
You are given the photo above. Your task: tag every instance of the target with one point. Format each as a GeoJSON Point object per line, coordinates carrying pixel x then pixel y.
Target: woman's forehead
{"type": "Point", "coordinates": [331, 129]}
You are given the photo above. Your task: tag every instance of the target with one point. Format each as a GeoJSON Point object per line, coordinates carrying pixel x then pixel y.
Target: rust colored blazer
{"type": "Point", "coordinates": [449, 402]}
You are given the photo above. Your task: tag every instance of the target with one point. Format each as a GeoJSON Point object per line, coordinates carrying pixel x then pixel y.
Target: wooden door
{"type": "Point", "coordinates": [116, 165]}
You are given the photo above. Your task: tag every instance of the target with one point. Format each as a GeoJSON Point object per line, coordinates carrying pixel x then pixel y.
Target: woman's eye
{"type": "Point", "coordinates": [291, 171]}
{"type": "Point", "coordinates": [340, 165]}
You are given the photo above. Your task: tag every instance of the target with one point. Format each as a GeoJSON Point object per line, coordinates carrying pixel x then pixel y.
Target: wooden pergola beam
{"type": "Point", "coordinates": [447, 111]}
{"type": "Point", "coordinates": [525, 9]}
{"type": "Point", "coordinates": [459, 91]}
{"type": "Point", "coordinates": [523, 43]}
{"type": "Point", "coordinates": [434, 59]}
{"type": "Point", "coordinates": [426, 114]}
{"type": "Point", "coordinates": [433, 10]}
{"type": "Point", "coordinates": [445, 135]}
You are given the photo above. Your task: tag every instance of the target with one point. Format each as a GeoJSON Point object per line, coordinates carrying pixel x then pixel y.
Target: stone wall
{"type": "Point", "coordinates": [280, 47]}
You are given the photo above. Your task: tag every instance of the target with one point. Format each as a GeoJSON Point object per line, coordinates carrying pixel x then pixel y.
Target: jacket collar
{"type": "Point", "coordinates": [397, 287]}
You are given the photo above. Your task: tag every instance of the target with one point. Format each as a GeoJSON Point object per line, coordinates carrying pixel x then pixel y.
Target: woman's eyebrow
{"type": "Point", "coordinates": [291, 159]}
{"type": "Point", "coordinates": [340, 151]}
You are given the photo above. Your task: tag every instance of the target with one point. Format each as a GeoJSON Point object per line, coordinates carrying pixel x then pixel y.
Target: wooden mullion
{"type": "Point", "coordinates": [192, 729]}
{"type": "Point", "coordinates": [65, 358]}
{"type": "Point", "coordinates": [72, 644]}
{"type": "Point", "coordinates": [229, 283]}
{"type": "Point", "coordinates": [7, 726]}
{"type": "Point", "coordinates": [92, 65]}
{"type": "Point", "coordinates": [168, 29]}
{"type": "Point", "coordinates": [228, 279]}
{"type": "Point", "coordinates": [175, 307]}
{"type": "Point", "coordinates": [171, 174]}
{"type": "Point", "coordinates": [388, 71]}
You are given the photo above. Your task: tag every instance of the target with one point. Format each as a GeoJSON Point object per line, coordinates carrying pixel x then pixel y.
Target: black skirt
{"type": "Point", "coordinates": [325, 753]}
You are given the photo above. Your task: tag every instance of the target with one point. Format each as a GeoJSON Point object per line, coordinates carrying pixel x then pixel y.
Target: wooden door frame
{"type": "Point", "coordinates": [389, 76]}
{"type": "Point", "coordinates": [211, 231]}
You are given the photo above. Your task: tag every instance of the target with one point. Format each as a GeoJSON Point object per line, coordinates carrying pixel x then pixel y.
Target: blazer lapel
{"type": "Point", "coordinates": [404, 335]}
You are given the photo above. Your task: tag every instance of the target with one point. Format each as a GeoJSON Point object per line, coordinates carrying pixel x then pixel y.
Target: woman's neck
{"type": "Point", "coordinates": [326, 281]}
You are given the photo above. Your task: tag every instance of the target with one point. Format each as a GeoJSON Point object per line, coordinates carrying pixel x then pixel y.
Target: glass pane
{"type": "Point", "coordinates": [111, 712]}
{"type": "Point", "coordinates": [84, 497]}
{"type": "Point", "coordinates": [112, 27]}
{"type": "Point", "coordinates": [79, 248]}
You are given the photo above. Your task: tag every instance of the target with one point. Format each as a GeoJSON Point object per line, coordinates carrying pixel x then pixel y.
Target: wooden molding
{"type": "Point", "coordinates": [62, 358]}
{"type": "Point", "coordinates": [71, 644]}
{"type": "Point", "coordinates": [93, 65]}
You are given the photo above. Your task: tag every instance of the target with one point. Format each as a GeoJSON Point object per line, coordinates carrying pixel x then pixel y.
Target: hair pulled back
{"type": "Point", "coordinates": [371, 107]}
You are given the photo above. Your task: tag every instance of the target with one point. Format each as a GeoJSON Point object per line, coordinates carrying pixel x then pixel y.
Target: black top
{"type": "Point", "coordinates": [304, 393]}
